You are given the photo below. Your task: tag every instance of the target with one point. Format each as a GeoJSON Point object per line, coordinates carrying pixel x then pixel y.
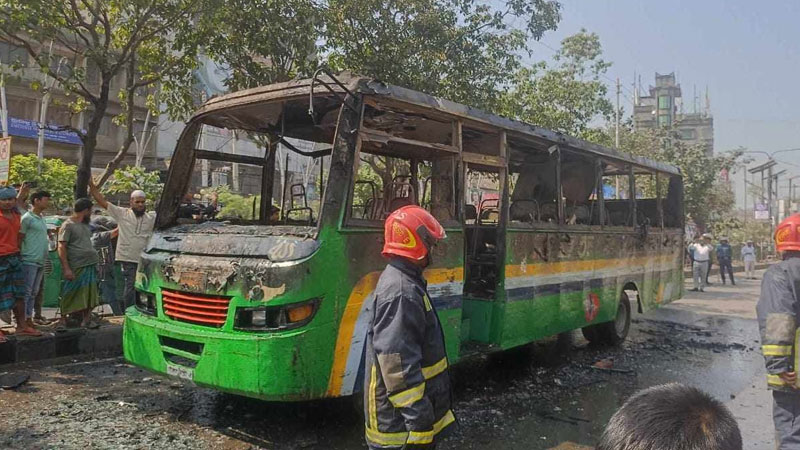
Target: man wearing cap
{"type": "Point", "coordinates": [701, 256]}
{"type": "Point", "coordinates": [135, 227]}
{"type": "Point", "coordinates": [725, 259]}
{"type": "Point", "coordinates": [80, 291]}
{"type": "Point", "coordinates": [749, 259]}
{"type": "Point", "coordinates": [12, 280]}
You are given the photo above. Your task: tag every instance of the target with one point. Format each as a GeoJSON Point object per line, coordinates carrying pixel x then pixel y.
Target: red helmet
{"type": "Point", "coordinates": [410, 232]}
{"type": "Point", "coordinates": [787, 235]}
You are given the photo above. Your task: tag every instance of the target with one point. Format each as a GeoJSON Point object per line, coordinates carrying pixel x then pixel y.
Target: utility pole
{"type": "Point", "coordinates": [744, 204]}
{"type": "Point", "coordinates": [3, 107]}
{"type": "Point", "coordinates": [616, 116]}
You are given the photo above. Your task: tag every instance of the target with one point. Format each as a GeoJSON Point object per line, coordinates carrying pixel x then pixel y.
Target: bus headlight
{"type": "Point", "coordinates": [145, 302]}
{"type": "Point", "coordinates": [276, 318]}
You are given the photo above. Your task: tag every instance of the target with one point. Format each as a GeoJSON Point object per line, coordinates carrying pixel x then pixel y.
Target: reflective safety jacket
{"type": "Point", "coordinates": [777, 311]}
{"type": "Point", "coordinates": [406, 384]}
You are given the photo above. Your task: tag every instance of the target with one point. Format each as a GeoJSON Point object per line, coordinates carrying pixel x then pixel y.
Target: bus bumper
{"type": "Point", "coordinates": [267, 367]}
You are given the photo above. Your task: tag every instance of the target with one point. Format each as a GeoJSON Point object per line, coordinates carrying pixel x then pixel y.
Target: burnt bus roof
{"type": "Point", "coordinates": [302, 88]}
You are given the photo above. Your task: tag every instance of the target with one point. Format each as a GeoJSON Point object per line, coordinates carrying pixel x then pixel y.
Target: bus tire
{"type": "Point", "coordinates": [614, 332]}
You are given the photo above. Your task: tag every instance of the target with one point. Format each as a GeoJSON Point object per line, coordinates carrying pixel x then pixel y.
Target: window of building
{"type": "Point", "coordinates": [664, 102]}
{"type": "Point", "coordinates": [92, 74]}
{"type": "Point", "coordinates": [11, 54]}
{"type": "Point", "coordinates": [687, 133]}
{"type": "Point", "coordinates": [21, 108]}
{"type": "Point", "coordinates": [663, 120]}
{"type": "Point", "coordinates": [58, 115]}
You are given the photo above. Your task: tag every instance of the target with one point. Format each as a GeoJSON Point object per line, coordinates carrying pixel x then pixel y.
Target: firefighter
{"type": "Point", "coordinates": [777, 311]}
{"type": "Point", "coordinates": [407, 383]}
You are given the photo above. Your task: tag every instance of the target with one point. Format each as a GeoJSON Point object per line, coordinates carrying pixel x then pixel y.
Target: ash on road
{"type": "Point", "coordinates": [537, 397]}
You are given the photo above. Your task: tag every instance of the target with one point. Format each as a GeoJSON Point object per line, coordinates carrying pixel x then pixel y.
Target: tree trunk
{"type": "Point", "coordinates": [90, 140]}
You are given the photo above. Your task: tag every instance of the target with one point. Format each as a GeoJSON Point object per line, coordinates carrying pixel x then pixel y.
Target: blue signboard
{"type": "Point", "coordinates": [30, 129]}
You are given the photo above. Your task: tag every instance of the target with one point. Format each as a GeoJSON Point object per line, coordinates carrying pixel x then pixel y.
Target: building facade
{"type": "Point", "coordinates": [663, 107]}
{"type": "Point", "coordinates": [24, 86]}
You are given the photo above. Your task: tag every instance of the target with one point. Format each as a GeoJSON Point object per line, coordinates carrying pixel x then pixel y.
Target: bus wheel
{"type": "Point", "coordinates": [614, 332]}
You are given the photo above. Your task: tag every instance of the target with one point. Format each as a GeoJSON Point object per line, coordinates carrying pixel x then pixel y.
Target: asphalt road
{"type": "Point", "coordinates": [538, 397]}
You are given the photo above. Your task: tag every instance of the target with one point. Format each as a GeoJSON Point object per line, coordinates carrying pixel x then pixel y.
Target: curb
{"type": "Point", "coordinates": [106, 340]}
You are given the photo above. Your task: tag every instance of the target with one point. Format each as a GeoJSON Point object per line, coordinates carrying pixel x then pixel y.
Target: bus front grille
{"type": "Point", "coordinates": [193, 308]}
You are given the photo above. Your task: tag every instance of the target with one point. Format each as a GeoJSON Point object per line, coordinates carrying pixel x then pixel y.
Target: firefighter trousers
{"type": "Point", "coordinates": [786, 414]}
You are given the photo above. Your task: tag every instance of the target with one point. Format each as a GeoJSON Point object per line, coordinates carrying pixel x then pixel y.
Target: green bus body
{"type": "Point", "coordinates": [550, 279]}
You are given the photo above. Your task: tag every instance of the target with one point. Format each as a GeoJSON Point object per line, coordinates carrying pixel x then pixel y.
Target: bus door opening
{"type": "Point", "coordinates": [482, 218]}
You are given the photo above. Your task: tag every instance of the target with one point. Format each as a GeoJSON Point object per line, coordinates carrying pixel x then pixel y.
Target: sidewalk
{"type": "Point", "coordinates": [106, 340]}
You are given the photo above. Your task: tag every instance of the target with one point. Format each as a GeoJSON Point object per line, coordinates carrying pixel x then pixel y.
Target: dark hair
{"type": "Point", "coordinates": [671, 417]}
{"type": "Point", "coordinates": [38, 195]}
{"type": "Point", "coordinates": [82, 204]}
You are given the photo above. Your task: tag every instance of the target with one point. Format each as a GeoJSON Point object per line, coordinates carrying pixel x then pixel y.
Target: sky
{"type": "Point", "coordinates": [747, 53]}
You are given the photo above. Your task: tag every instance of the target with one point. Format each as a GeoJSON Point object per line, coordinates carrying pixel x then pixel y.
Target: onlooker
{"type": "Point", "coordinates": [33, 246]}
{"type": "Point", "coordinates": [79, 293]}
{"type": "Point", "coordinates": [12, 280]}
{"type": "Point", "coordinates": [104, 236]}
{"type": "Point", "coordinates": [701, 255]}
{"type": "Point", "coordinates": [135, 227]}
{"type": "Point", "coordinates": [671, 416]}
{"type": "Point", "coordinates": [725, 259]}
{"type": "Point", "coordinates": [749, 259]}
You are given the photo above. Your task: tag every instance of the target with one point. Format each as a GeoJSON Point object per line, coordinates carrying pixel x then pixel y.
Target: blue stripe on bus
{"type": "Point", "coordinates": [447, 302]}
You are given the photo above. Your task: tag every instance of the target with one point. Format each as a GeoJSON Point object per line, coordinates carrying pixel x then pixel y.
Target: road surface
{"type": "Point", "coordinates": [539, 397]}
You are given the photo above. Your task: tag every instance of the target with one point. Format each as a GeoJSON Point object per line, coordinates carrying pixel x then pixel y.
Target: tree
{"type": "Point", "coordinates": [706, 195]}
{"type": "Point", "coordinates": [139, 41]}
{"type": "Point", "coordinates": [462, 50]}
{"type": "Point", "coordinates": [56, 178]}
{"type": "Point", "coordinates": [567, 96]}
{"type": "Point", "coordinates": [128, 179]}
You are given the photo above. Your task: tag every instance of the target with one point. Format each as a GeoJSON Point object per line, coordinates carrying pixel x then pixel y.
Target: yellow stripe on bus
{"type": "Point", "coordinates": [561, 267]}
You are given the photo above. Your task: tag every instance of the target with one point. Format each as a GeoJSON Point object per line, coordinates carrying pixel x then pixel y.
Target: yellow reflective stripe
{"type": "Point", "coordinates": [431, 371]}
{"type": "Point", "coordinates": [380, 438]}
{"type": "Point", "coordinates": [373, 384]}
{"type": "Point", "coordinates": [408, 397]}
{"type": "Point", "coordinates": [426, 437]}
{"type": "Point", "coordinates": [427, 300]}
{"type": "Point", "coordinates": [775, 380]}
{"type": "Point", "coordinates": [776, 350]}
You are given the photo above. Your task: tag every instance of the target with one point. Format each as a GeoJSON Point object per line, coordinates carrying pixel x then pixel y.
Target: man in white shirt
{"type": "Point", "coordinates": [749, 259]}
{"type": "Point", "coordinates": [701, 256]}
{"type": "Point", "coordinates": [135, 227]}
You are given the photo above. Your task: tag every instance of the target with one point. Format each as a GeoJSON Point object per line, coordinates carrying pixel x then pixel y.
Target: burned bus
{"type": "Point", "coordinates": [266, 297]}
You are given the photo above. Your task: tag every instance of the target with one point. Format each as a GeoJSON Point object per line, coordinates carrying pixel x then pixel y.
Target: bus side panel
{"type": "Point", "coordinates": [362, 263]}
{"type": "Point", "coordinates": [558, 281]}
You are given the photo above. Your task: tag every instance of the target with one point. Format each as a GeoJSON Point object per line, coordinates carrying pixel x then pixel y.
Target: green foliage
{"type": "Point", "coordinates": [706, 196]}
{"type": "Point", "coordinates": [739, 231]}
{"type": "Point", "coordinates": [128, 179]}
{"type": "Point", "coordinates": [57, 178]}
{"type": "Point", "coordinates": [232, 205]}
{"type": "Point", "coordinates": [462, 50]}
{"type": "Point", "coordinates": [243, 35]}
{"type": "Point", "coordinates": [566, 97]}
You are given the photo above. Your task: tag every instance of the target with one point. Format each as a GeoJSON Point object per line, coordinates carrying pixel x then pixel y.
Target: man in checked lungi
{"type": "Point", "coordinates": [12, 281]}
{"type": "Point", "coordinates": [80, 290]}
